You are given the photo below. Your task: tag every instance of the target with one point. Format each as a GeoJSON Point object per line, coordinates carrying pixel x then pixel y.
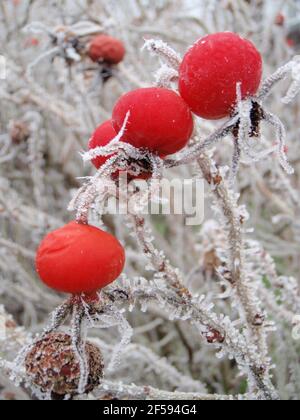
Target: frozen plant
{"type": "Point", "coordinates": [202, 313]}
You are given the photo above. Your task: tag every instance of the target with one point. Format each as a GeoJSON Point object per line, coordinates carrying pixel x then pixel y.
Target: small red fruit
{"type": "Point", "coordinates": [79, 259]}
{"type": "Point", "coordinates": [291, 42]}
{"type": "Point", "coordinates": [102, 136]}
{"type": "Point", "coordinates": [32, 42]}
{"type": "Point", "coordinates": [280, 19]}
{"type": "Point", "coordinates": [106, 48]}
{"type": "Point", "coordinates": [211, 70]}
{"type": "Point", "coordinates": [159, 121]}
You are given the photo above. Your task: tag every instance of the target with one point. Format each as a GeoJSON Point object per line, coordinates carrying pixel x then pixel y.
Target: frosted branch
{"type": "Point", "coordinates": [161, 49]}
{"type": "Point", "coordinates": [281, 74]}
{"type": "Point", "coordinates": [281, 139]}
{"type": "Point", "coordinates": [78, 344]}
{"type": "Point", "coordinates": [120, 391]}
{"type": "Point", "coordinates": [165, 76]}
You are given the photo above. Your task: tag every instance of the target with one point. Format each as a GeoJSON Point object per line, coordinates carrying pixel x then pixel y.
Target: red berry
{"type": "Point", "coordinates": [32, 42]}
{"type": "Point", "coordinates": [79, 258]}
{"type": "Point", "coordinates": [102, 136]}
{"type": "Point", "coordinates": [291, 42]}
{"type": "Point", "coordinates": [280, 19]}
{"type": "Point", "coordinates": [211, 70]}
{"type": "Point", "coordinates": [106, 48]}
{"type": "Point", "coordinates": [159, 121]}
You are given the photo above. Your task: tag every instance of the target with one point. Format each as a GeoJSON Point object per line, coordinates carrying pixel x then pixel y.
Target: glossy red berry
{"type": "Point", "coordinates": [107, 49]}
{"type": "Point", "coordinates": [159, 121]}
{"type": "Point", "coordinates": [79, 258]}
{"type": "Point", "coordinates": [211, 70]}
{"type": "Point", "coordinates": [102, 136]}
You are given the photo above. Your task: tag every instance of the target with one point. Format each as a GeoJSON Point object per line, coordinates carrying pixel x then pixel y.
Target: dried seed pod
{"type": "Point", "coordinates": [52, 366]}
{"type": "Point", "coordinates": [211, 262]}
{"type": "Point", "coordinates": [19, 132]}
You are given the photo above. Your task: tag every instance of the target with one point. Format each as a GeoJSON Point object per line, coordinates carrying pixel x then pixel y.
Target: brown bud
{"type": "Point", "coordinates": [19, 132]}
{"type": "Point", "coordinates": [211, 261]}
{"type": "Point", "coordinates": [10, 324]}
{"type": "Point", "coordinates": [52, 366]}
{"type": "Point", "coordinates": [213, 336]}
{"type": "Point", "coordinates": [217, 179]}
{"type": "Point", "coordinates": [258, 320]}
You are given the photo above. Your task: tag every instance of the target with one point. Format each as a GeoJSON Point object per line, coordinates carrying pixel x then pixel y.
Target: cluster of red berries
{"type": "Point", "coordinates": [83, 259]}
{"type": "Point", "coordinates": [161, 121]}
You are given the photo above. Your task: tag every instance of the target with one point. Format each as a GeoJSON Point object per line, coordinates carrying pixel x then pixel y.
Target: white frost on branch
{"type": "Point", "coordinates": [164, 51]}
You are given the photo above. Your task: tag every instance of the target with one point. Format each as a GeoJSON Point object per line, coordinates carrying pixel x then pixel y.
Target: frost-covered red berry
{"type": "Point", "coordinates": [52, 366]}
{"type": "Point", "coordinates": [159, 120]}
{"type": "Point", "coordinates": [211, 70]}
{"type": "Point", "coordinates": [105, 48]}
{"type": "Point", "coordinates": [79, 258]}
{"type": "Point", "coordinates": [101, 137]}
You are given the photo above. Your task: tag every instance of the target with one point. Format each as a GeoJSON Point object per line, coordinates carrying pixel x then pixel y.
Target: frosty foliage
{"type": "Point", "coordinates": [203, 313]}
